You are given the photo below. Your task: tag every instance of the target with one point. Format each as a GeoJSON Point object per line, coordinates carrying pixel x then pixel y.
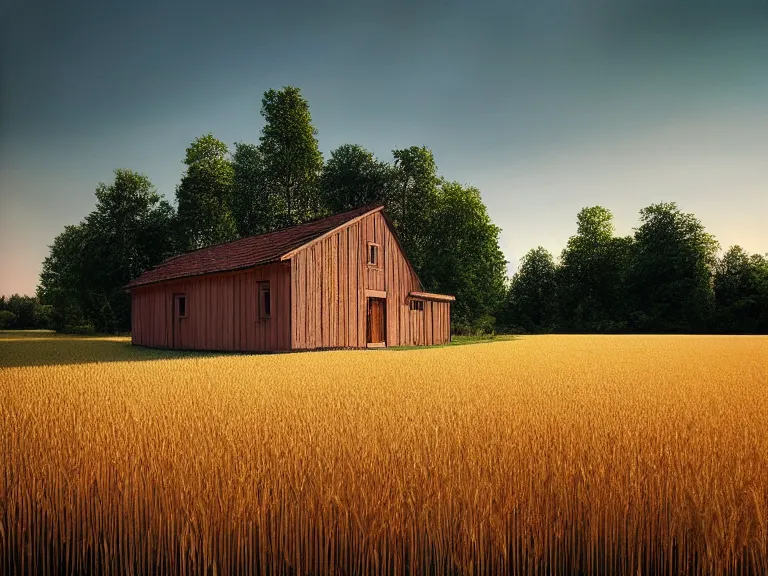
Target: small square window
{"type": "Point", "coordinates": [265, 301]}
{"type": "Point", "coordinates": [417, 305]}
{"type": "Point", "coordinates": [373, 254]}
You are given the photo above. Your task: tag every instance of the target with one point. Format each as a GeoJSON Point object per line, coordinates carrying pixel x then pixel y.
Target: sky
{"type": "Point", "coordinates": [545, 106]}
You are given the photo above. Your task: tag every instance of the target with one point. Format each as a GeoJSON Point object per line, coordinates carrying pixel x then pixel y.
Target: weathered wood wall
{"type": "Point", "coordinates": [318, 300]}
{"type": "Point", "coordinates": [222, 312]}
{"type": "Point", "coordinates": [331, 280]}
{"type": "Point", "coordinates": [432, 326]}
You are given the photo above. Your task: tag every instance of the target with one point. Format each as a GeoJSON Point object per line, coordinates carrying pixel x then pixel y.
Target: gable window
{"type": "Point", "coordinates": [181, 305]}
{"type": "Point", "coordinates": [373, 254]}
{"type": "Point", "coordinates": [417, 305]}
{"type": "Point", "coordinates": [265, 301]}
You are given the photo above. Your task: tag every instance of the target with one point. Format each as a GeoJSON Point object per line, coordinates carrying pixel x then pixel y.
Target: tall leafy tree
{"type": "Point", "coordinates": [254, 206]}
{"type": "Point", "coordinates": [84, 276]}
{"type": "Point", "coordinates": [741, 292]}
{"type": "Point", "coordinates": [673, 264]}
{"type": "Point", "coordinates": [204, 195]}
{"type": "Point", "coordinates": [462, 257]}
{"type": "Point", "coordinates": [593, 274]}
{"type": "Point", "coordinates": [531, 303]}
{"type": "Point", "coordinates": [62, 279]}
{"type": "Point", "coordinates": [353, 177]}
{"type": "Point", "coordinates": [413, 199]}
{"type": "Point", "coordinates": [291, 157]}
{"type": "Point", "coordinates": [127, 233]}
{"type": "Point", "coordinates": [135, 220]}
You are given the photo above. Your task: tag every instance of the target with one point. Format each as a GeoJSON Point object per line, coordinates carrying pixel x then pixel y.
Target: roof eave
{"type": "Point", "coordinates": [130, 287]}
{"type": "Point", "coordinates": [286, 256]}
{"type": "Point", "coordinates": [432, 296]}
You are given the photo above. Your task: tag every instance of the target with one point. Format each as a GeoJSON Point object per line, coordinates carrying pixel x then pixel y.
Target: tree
{"type": "Point", "coordinates": [129, 231]}
{"type": "Point", "coordinates": [531, 302]}
{"type": "Point", "coordinates": [673, 262]}
{"type": "Point", "coordinates": [23, 313]}
{"type": "Point", "coordinates": [23, 309]}
{"type": "Point", "coordinates": [62, 278]}
{"type": "Point", "coordinates": [84, 276]}
{"type": "Point", "coordinates": [741, 292]}
{"type": "Point", "coordinates": [593, 274]}
{"type": "Point", "coordinates": [291, 158]}
{"type": "Point", "coordinates": [353, 177]}
{"type": "Point", "coordinates": [136, 222]}
{"type": "Point", "coordinates": [254, 207]}
{"type": "Point", "coordinates": [43, 315]}
{"type": "Point", "coordinates": [412, 199]}
{"type": "Point", "coordinates": [7, 319]}
{"type": "Point", "coordinates": [463, 256]}
{"type": "Point", "coordinates": [204, 195]}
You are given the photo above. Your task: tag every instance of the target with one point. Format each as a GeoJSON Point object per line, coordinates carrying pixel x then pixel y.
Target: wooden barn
{"type": "Point", "coordinates": [338, 282]}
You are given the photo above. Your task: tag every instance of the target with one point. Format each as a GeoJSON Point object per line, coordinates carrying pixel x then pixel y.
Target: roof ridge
{"type": "Point", "coordinates": [369, 207]}
{"type": "Point", "coordinates": [270, 245]}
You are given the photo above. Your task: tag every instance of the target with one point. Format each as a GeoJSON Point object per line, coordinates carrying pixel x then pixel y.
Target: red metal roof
{"type": "Point", "coordinates": [246, 252]}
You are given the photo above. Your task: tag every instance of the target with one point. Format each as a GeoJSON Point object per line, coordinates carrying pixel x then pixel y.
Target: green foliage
{"type": "Point", "coordinates": [43, 315]}
{"type": "Point", "coordinates": [531, 301]}
{"type": "Point", "coordinates": [89, 264]}
{"type": "Point", "coordinates": [593, 273]}
{"type": "Point", "coordinates": [462, 256]}
{"type": "Point", "coordinates": [62, 277]}
{"type": "Point", "coordinates": [23, 313]}
{"type": "Point", "coordinates": [672, 266]}
{"type": "Point", "coordinates": [7, 320]}
{"type": "Point", "coordinates": [412, 200]}
{"type": "Point", "coordinates": [254, 207]}
{"type": "Point", "coordinates": [353, 177]}
{"type": "Point", "coordinates": [741, 292]}
{"type": "Point", "coordinates": [443, 227]}
{"type": "Point", "coordinates": [291, 157]}
{"type": "Point", "coordinates": [82, 329]}
{"type": "Point", "coordinates": [204, 196]}
{"type": "Point", "coordinates": [23, 310]}
{"type": "Point", "coordinates": [127, 233]}
{"type": "Point", "coordinates": [665, 278]}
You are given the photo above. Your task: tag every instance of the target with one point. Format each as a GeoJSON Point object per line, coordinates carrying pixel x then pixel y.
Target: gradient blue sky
{"type": "Point", "coordinates": [546, 106]}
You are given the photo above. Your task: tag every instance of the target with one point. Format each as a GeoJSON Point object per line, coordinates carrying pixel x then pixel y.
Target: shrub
{"type": "Point", "coordinates": [7, 319]}
{"type": "Point", "coordinates": [82, 329]}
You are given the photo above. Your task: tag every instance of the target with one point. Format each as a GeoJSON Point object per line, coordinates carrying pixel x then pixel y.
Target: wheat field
{"type": "Point", "coordinates": [541, 455]}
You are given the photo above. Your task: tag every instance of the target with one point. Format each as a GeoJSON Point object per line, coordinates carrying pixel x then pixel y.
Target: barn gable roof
{"type": "Point", "coordinates": [248, 252]}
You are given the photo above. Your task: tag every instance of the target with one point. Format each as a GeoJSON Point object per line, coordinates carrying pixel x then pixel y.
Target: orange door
{"type": "Point", "coordinates": [376, 320]}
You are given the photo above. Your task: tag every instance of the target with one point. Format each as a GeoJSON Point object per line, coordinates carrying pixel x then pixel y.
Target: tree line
{"type": "Point", "coordinates": [252, 189]}
{"type": "Point", "coordinates": [664, 278]}
{"type": "Point", "coordinates": [19, 312]}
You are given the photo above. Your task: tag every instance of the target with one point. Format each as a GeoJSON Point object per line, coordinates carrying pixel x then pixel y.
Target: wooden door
{"type": "Point", "coordinates": [377, 317]}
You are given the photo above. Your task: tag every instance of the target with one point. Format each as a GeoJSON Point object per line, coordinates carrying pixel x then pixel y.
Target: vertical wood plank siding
{"type": "Point", "coordinates": [318, 300]}
{"type": "Point", "coordinates": [329, 280]}
{"type": "Point", "coordinates": [222, 312]}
